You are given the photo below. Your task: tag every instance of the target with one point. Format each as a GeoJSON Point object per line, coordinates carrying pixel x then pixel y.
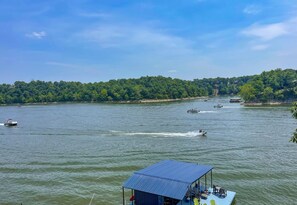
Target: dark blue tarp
{"type": "Point", "coordinates": [167, 178]}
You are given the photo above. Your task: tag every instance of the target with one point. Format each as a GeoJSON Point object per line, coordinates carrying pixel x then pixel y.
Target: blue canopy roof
{"type": "Point", "coordinates": [167, 178]}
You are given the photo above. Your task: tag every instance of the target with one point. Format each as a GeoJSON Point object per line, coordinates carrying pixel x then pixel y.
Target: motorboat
{"type": "Point", "coordinates": [218, 106]}
{"type": "Point", "coordinates": [202, 133]}
{"type": "Point", "coordinates": [235, 100]}
{"type": "Point", "coordinates": [193, 111]}
{"type": "Point", "coordinates": [10, 123]}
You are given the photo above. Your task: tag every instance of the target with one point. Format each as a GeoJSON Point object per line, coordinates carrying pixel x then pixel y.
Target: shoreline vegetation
{"type": "Point", "coordinates": [275, 87]}
{"type": "Point", "coordinates": [144, 101]}
{"type": "Point", "coordinates": [153, 101]}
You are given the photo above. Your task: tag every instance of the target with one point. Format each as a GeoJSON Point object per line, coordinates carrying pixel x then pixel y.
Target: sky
{"type": "Point", "coordinates": [100, 40]}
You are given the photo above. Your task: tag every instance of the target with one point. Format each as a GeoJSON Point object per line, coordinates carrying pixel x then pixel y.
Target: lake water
{"type": "Point", "coordinates": [69, 153]}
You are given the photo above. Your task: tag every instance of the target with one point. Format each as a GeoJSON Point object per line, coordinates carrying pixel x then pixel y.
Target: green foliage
{"type": "Point", "coordinates": [115, 90]}
{"type": "Point", "coordinates": [294, 110]}
{"type": "Point", "coordinates": [294, 137]}
{"type": "Point", "coordinates": [275, 85]}
{"type": "Point", "coordinates": [248, 92]}
{"type": "Point", "coordinates": [224, 86]}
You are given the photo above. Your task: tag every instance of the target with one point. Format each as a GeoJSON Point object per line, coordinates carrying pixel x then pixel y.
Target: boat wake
{"type": "Point", "coordinates": [1, 124]}
{"type": "Point", "coordinates": [232, 107]}
{"type": "Point", "coordinates": [210, 111]}
{"type": "Point", "coordinates": [159, 134]}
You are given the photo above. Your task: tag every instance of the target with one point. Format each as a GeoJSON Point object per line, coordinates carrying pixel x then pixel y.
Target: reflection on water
{"type": "Point", "coordinates": [69, 154]}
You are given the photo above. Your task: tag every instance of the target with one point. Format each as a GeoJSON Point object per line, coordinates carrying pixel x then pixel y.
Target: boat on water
{"type": "Point", "coordinates": [171, 182]}
{"type": "Point", "coordinates": [202, 133]}
{"type": "Point", "coordinates": [193, 111]}
{"type": "Point", "coordinates": [218, 106]}
{"type": "Point", "coordinates": [235, 100]}
{"type": "Point", "coordinates": [10, 123]}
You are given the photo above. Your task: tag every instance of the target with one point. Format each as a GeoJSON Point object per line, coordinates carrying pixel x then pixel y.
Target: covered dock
{"type": "Point", "coordinates": [172, 182]}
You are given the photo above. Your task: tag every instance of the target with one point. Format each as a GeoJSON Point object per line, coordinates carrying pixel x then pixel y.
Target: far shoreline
{"type": "Point", "coordinates": [144, 101]}
{"type": "Point", "coordinates": [256, 104]}
{"type": "Point", "coordinates": [154, 101]}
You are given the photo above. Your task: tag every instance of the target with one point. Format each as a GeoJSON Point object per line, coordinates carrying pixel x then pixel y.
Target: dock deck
{"type": "Point", "coordinates": [219, 201]}
{"type": "Point", "coordinates": [170, 182]}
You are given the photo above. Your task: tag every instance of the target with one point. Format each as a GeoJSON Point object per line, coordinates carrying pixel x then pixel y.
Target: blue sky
{"type": "Point", "coordinates": [99, 40]}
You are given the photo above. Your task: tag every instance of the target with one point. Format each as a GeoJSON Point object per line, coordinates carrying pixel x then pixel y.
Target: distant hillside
{"type": "Point", "coordinates": [144, 88]}
{"type": "Point", "coordinates": [273, 86]}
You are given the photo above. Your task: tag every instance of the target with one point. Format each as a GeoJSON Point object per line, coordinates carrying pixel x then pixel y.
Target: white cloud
{"type": "Point", "coordinates": [260, 47]}
{"type": "Point", "coordinates": [269, 32]}
{"type": "Point", "coordinates": [36, 35]}
{"type": "Point", "coordinates": [86, 68]}
{"type": "Point", "coordinates": [66, 65]}
{"type": "Point", "coordinates": [252, 9]}
{"type": "Point", "coordinates": [105, 36]}
{"type": "Point", "coordinates": [126, 35]}
{"type": "Point", "coordinates": [266, 32]}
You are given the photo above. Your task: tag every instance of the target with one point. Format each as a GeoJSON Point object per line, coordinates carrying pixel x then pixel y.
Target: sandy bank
{"type": "Point", "coordinates": [158, 100]}
{"type": "Point", "coordinates": [267, 103]}
{"type": "Point", "coordinates": [112, 102]}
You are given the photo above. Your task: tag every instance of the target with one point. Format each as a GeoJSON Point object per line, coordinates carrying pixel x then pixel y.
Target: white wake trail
{"type": "Point", "coordinates": [159, 134]}
{"type": "Point", "coordinates": [208, 111]}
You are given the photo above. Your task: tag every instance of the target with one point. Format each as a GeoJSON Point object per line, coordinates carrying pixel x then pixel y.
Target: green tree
{"type": "Point", "coordinates": [103, 95]}
{"type": "Point", "coordinates": [267, 94]}
{"type": "Point", "coordinates": [294, 111]}
{"type": "Point", "coordinates": [271, 85]}
{"type": "Point", "coordinates": [247, 92]}
{"type": "Point", "coordinates": [274, 85]}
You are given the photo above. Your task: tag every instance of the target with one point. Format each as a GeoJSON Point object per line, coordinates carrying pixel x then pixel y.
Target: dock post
{"type": "Point", "coordinates": [211, 178]}
{"type": "Point", "coordinates": [123, 189]}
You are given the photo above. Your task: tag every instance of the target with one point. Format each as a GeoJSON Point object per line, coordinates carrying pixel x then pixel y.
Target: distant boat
{"type": "Point", "coordinates": [218, 106]}
{"type": "Point", "coordinates": [193, 111]}
{"type": "Point", "coordinates": [10, 123]}
{"type": "Point", "coordinates": [235, 100]}
{"type": "Point", "coordinates": [202, 133]}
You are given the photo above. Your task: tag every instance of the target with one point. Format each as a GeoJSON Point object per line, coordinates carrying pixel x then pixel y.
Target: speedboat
{"type": "Point", "coordinates": [202, 133]}
{"type": "Point", "coordinates": [193, 111]}
{"type": "Point", "coordinates": [218, 106]}
{"type": "Point", "coordinates": [235, 100]}
{"type": "Point", "coordinates": [10, 123]}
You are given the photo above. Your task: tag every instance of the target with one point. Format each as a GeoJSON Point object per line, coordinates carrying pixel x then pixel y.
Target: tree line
{"type": "Point", "coordinates": [157, 87]}
{"type": "Point", "coordinates": [273, 85]}
{"type": "Point", "coordinates": [276, 85]}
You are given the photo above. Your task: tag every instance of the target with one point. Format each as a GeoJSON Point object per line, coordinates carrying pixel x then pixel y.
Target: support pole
{"type": "Point", "coordinates": [205, 183]}
{"type": "Point", "coordinates": [211, 178]}
{"type": "Point", "coordinates": [123, 189]}
{"type": "Point", "coordinates": [132, 196]}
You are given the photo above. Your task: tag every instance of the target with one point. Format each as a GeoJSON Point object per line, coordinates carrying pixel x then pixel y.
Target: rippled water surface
{"type": "Point", "coordinates": [69, 153]}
